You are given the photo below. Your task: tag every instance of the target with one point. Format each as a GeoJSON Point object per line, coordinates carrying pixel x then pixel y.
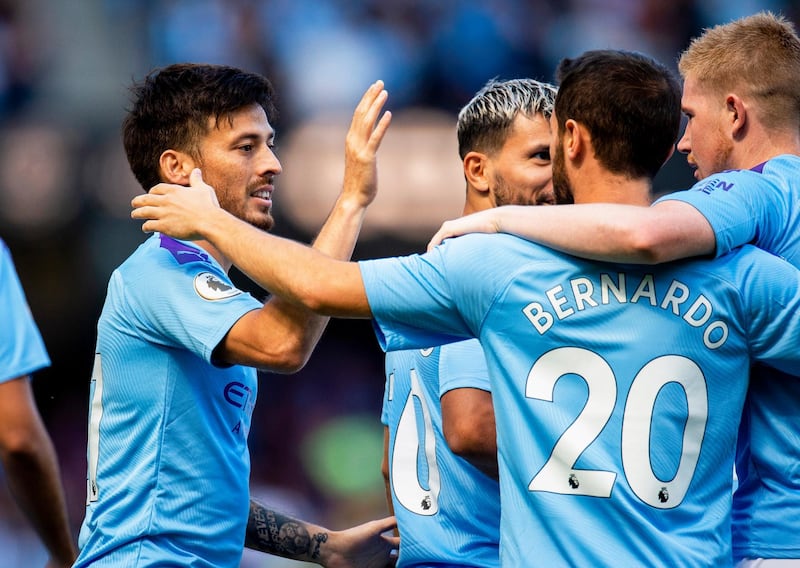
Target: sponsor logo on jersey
{"type": "Point", "coordinates": [209, 287]}
{"type": "Point", "coordinates": [237, 394]}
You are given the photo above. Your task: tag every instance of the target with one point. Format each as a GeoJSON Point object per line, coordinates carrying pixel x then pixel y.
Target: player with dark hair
{"type": "Point", "coordinates": [178, 344]}
{"type": "Point", "coordinates": [743, 139]}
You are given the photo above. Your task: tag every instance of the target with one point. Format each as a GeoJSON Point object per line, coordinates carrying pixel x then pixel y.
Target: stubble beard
{"type": "Point", "coordinates": [263, 221]}
{"type": "Point", "coordinates": [562, 188]}
{"type": "Point", "coordinates": [504, 195]}
{"type": "Point", "coordinates": [722, 158]}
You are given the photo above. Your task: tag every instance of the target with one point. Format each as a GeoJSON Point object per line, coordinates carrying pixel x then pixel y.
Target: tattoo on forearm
{"type": "Point", "coordinates": [271, 532]}
{"type": "Point", "coordinates": [319, 538]}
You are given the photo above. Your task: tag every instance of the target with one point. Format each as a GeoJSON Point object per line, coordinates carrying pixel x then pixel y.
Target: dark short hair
{"type": "Point", "coordinates": [172, 106]}
{"type": "Point", "coordinates": [630, 104]}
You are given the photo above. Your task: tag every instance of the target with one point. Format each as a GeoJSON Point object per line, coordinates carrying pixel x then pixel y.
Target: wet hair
{"type": "Point", "coordinates": [173, 108]}
{"type": "Point", "coordinates": [485, 121]}
{"type": "Point", "coordinates": [629, 103]}
{"type": "Point", "coordinates": [757, 56]}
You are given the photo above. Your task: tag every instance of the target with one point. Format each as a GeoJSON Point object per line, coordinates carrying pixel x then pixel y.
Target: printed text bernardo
{"type": "Point", "coordinates": [696, 311]}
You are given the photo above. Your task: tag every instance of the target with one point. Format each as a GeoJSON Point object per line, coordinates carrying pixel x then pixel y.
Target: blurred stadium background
{"type": "Point", "coordinates": [65, 66]}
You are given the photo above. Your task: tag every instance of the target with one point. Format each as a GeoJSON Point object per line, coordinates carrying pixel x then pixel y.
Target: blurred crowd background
{"type": "Point", "coordinates": [65, 69]}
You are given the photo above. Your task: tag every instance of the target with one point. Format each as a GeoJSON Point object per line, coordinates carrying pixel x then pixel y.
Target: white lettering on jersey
{"type": "Point", "coordinates": [582, 293]}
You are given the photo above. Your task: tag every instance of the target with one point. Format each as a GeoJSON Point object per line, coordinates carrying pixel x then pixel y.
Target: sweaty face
{"type": "Point", "coordinates": [707, 147]}
{"type": "Point", "coordinates": [521, 172]}
{"type": "Point", "coordinates": [562, 188]}
{"type": "Point", "coordinates": [237, 159]}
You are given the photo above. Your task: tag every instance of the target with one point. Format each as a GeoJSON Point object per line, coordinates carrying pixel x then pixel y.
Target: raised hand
{"type": "Point", "coordinates": [361, 145]}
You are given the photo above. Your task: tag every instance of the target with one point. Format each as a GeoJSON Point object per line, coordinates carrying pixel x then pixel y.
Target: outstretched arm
{"type": "Point", "coordinates": [32, 470]}
{"type": "Point", "coordinates": [363, 546]}
{"type": "Point", "coordinates": [290, 270]}
{"type": "Point", "coordinates": [665, 231]}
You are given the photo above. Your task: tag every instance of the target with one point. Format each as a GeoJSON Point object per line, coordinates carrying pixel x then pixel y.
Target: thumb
{"type": "Point", "coordinates": [196, 181]}
{"type": "Point", "coordinates": [196, 178]}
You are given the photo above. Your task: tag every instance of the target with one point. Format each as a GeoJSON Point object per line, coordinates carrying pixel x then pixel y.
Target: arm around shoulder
{"type": "Point", "coordinates": [614, 232]}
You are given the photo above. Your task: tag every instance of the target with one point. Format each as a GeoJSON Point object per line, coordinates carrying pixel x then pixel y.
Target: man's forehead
{"type": "Point", "coordinates": [244, 117]}
{"type": "Point", "coordinates": [249, 114]}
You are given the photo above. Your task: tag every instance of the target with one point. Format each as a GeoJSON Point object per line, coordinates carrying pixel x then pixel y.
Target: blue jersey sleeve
{"type": "Point", "coordinates": [186, 304]}
{"type": "Point", "coordinates": [743, 206]}
{"type": "Point", "coordinates": [439, 297]}
{"type": "Point", "coordinates": [772, 293]}
{"type": "Point", "coordinates": [463, 365]}
{"type": "Point", "coordinates": [22, 350]}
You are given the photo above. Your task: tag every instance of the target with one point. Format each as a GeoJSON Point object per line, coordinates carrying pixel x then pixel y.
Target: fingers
{"type": "Point", "coordinates": [370, 106]}
{"type": "Point", "coordinates": [150, 215]}
{"type": "Point", "coordinates": [376, 107]}
{"type": "Point", "coordinates": [440, 235]}
{"type": "Point", "coordinates": [374, 91]}
{"type": "Point", "coordinates": [380, 129]}
{"type": "Point", "coordinates": [385, 524]}
{"type": "Point", "coordinates": [147, 200]}
{"type": "Point", "coordinates": [149, 227]}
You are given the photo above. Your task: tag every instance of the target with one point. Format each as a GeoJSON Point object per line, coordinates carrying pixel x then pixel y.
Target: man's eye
{"type": "Point", "coordinates": [544, 155]}
{"type": "Point", "coordinates": [246, 147]}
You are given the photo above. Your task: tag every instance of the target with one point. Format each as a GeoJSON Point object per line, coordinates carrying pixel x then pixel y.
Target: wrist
{"type": "Point", "coordinates": [318, 551]}
{"type": "Point", "coordinates": [349, 204]}
{"type": "Point", "coordinates": [218, 222]}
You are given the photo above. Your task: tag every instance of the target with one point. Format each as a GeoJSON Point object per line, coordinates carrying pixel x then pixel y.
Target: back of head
{"type": "Point", "coordinates": [484, 122]}
{"type": "Point", "coordinates": [629, 103]}
{"type": "Point", "coordinates": [757, 56]}
{"type": "Point", "coordinates": [174, 107]}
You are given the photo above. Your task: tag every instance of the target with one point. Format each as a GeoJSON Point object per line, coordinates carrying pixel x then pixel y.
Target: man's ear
{"type": "Point", "coordinates": [575, 139]}
{"type": "Point", "coordinates": [738, 115]}
{"type": "Point", "coordinates": [475, 170]}
{"type": "Point", "coordinates": [176, 166]}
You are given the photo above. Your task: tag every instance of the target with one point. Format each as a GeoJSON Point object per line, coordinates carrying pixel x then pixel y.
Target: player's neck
{"type": "Point", "coordinates": [760, 146]}
{"type": "Point", "coordinates": [218, 256]}
{"type": "Point", "coordinates": [612, 188]}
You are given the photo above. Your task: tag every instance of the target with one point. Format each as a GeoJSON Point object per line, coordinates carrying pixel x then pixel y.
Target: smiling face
{"type": "Point", "coordinates": [704, 141]}
{"type": "Point", "coordinates": [521, 172]}
{"type": "Point", "coordinates": [237, 159]}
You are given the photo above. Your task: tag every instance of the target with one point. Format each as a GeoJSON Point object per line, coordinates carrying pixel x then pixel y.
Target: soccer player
{"type": "Point", "coordinates": [504, 144]}
{"type": "Point", "coordinates": [618, 389]}
{"type": "Point", "coordinates": [26, 451]}
{"type": "Point", "coordinates": [743, 138]}
{"type": "Point", "coordinates": [174, 381]}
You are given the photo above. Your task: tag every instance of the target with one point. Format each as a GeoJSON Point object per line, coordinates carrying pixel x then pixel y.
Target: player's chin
{"type": "Point", "coordinates": [263, 220]}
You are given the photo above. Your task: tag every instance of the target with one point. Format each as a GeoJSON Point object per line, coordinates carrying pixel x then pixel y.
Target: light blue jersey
{"type": "Point", "coordinates": [168, 463]}
{"type": "Point", "coordinates": [762, 207]}
{"type": "Point", "coordinates": [448, 512]}
{"type": "Point", "coordinates": [22, 350]}
{"type": "Point", "coordinates": [617, 389]}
